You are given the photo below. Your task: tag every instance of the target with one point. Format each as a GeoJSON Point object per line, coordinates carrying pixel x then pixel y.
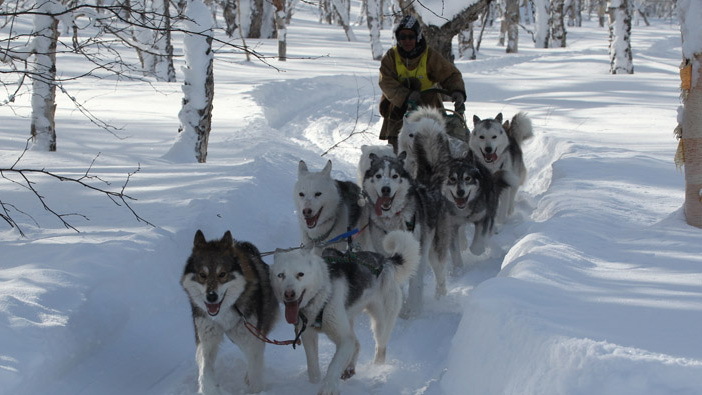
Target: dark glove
{"type": "Point", "coordinates": [458, 101]}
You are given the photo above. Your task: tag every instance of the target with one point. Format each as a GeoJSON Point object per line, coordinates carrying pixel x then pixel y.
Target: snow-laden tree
{"type": "Point", "coordinates": [621, 60]}
{"type": "Point", "coordinates": [198, 83]}
{"type": "Point", "coordinates": [441, 25]}
{"type": "Point", "coordinates": [690, 13]}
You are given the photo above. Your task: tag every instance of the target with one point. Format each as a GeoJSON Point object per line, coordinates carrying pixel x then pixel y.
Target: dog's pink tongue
{"type": "Point", "coordinates": [383, 200]}
{"type": "Point", "coordinates": [291, 312]}
{"type": "Point", "coordinates": [491, 157]}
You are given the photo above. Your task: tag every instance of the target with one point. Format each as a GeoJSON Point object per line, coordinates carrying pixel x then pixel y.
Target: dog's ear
{"type": "Point", "coordinates": [402, 156]}
{"type": "Point", "coordinates": [498, 118]}
{"type": "Point", "coordinates": [475, 120]}
{"type": "Point", "coordinates": [327, 168]}
{"type": "Point", "coordinates": [227, 239]}
{"type": "Point", "coordinates": [244, 256]}
{"type": "Point", "coordinates": [505, 126]}
{"type": "Point", "coordinates": [302, 168]}
{"type": "Point", "coordinates": [199, 240]}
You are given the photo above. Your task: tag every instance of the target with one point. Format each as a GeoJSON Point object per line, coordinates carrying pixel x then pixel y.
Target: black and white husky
{"type": "Point", "coordinates": [228, 286]}
{"type": "Point", "coordinates": [326, 207]}
{"type": "Point", "coordinates": [390, 200]}
{"type": "Point", "coordinates": [324, 294]}
{"type": "Point", "coordinates": [499, 147]}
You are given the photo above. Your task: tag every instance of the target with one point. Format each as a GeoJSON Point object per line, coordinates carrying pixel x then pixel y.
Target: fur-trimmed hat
{"type": "Point", "coordinates": [409, 22]}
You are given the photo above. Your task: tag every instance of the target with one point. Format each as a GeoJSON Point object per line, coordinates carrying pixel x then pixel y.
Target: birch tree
{"type": "Point", "coordinates": [621, 61]}
{"type": "Point", "coordinates": [541, 22]}
{"type": "Point", "coordinates": [690, 14]}
{"type": "Point", "coordinates": [558, 29]}
{"type": "Point", "coordinates": [152, 34]}
{"type": "Point", "coordinates": [198, 83]}
{"type": "Point", "coordinates": [512, 18]}
{"type": "Point", "coordinates": [374, 24]}
{"type": "Point", "coordinates": [43, 126]}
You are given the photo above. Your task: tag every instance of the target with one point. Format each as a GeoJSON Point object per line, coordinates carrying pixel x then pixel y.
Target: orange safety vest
{"type": "Point", "coordinates": [420, 72]}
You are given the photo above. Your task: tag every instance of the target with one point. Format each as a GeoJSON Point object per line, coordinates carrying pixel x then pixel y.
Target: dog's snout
{"type": "Point", "coordinates": [289, 294]}
{"type": "Point", "coordinates": [488, 150]}
{"type": "Point", "coordinates": [212, 297]}
{"type": "Point", "coordinates": [307, 212]}
{"type": "Point", "coordinates": [460, 192]}
{"type": "Point", "coordinates": [385, 191]}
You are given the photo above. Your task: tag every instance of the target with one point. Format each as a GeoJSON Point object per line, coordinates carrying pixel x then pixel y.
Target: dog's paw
{"type": "Point", "coordinates": [348, 373]}
{"type": "Point", "coordinates": [329, 389]}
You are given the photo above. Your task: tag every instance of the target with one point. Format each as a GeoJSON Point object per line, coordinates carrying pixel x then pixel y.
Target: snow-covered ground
{"type": "Point", "coordinates": [593, 287]}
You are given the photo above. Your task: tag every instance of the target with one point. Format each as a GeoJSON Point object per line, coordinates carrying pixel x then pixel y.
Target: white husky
{"type": "Point", "coordinates": [498, 147]}
{"type": "Point", "coordinates": [324, 294]}
{"type": "Point", "coordinates": [326, 207]}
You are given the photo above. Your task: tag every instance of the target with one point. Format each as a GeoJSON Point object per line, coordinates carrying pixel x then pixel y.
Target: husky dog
{"type": "Point", "coordinates": [422, 121]}
{"type": "Point", "coordinates": [364, 161]}
{"type": "Point", "coordinates": [498, 146]}
{"type": "Point", "coordinates": [392, 205]}
{"type": "Point", "coordinates": [326, 207]}
{"type": "Point", "coordinates": [454, 191]}
{"type": "Point", "coordinates": [228, 285]}
{"type": "Point", "coordinates": [329, 291]}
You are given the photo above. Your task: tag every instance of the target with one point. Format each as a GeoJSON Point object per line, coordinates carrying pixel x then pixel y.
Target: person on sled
{"type": "Point", "coordinates": [408, 69]}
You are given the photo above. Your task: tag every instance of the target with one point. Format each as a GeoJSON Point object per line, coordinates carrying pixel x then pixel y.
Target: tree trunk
{"type": "Point", "coordinates": [692, 148]}
{"type": "Point", "coordinates": [374, 24]}
{"type": "Point", "coordinates": [198, 83]}
{"type": "Point", "coordinates": [512, 17]}
{"type": "Point", "coordinates": [256, 19]}
{"type": "Point", "coordinates": [466, 43]}
{"type": "Point", "coordinates": [43, 125]}
{"type": "Point", "coordinates": [621, 61]}
{"type": "Point", "coordinates": [558, 30]}
{"type": "Point", "coordinates": [343, 13]}
{"type": "Point", "coordinates": [440, 37]}
{"type": "Point", "coordinates": [541, 20]}
{"type": "Point", "coordinates": [281, 30]}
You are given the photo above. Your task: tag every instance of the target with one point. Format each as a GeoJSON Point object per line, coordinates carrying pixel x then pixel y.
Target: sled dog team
{"type": "Point", "coordinates": [413, 210]}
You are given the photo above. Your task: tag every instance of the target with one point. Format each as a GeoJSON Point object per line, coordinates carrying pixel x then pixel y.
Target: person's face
{"type": "Point", "coordinates": [407, 39]}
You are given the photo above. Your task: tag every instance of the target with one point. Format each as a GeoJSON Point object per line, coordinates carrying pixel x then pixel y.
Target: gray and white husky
{"type": "Point", "coordinates": [325, 207]}
{"type": "Point", "coordinates": [499, 147]}
{"type": "Point", "coordinates": [455, 190]}
{"type": "Point", "coordinates": [422, 121]}
{"type": "Point", "coordinates": [228, 285]}
{"type": "Point", "coordinates": [324, 294]}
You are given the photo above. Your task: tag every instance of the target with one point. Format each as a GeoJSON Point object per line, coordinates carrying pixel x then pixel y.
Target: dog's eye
{"type": "Point", "coordinates": [223, 274]}
{"type": "Point", "coordinates": [302, 194]}
{"type": "Point", "coordinates": [452, 180]}
{"type": "Point", "coordinates": [281, 276]}
{"type": "Point", "coordinates": [411, 135]}
{"type": "Point", "coordinates": [395, 176]}
{"type": "Point", "coordinates": [202, 275]}
{"type": "Point", "coordinates": [318, 194]}
{"type": "Point", "coordinates": [494, 137]}
{"type": "Point", "coordinates": [482, 137]}
{"type": "Point", "coordinates": [300, 275]}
